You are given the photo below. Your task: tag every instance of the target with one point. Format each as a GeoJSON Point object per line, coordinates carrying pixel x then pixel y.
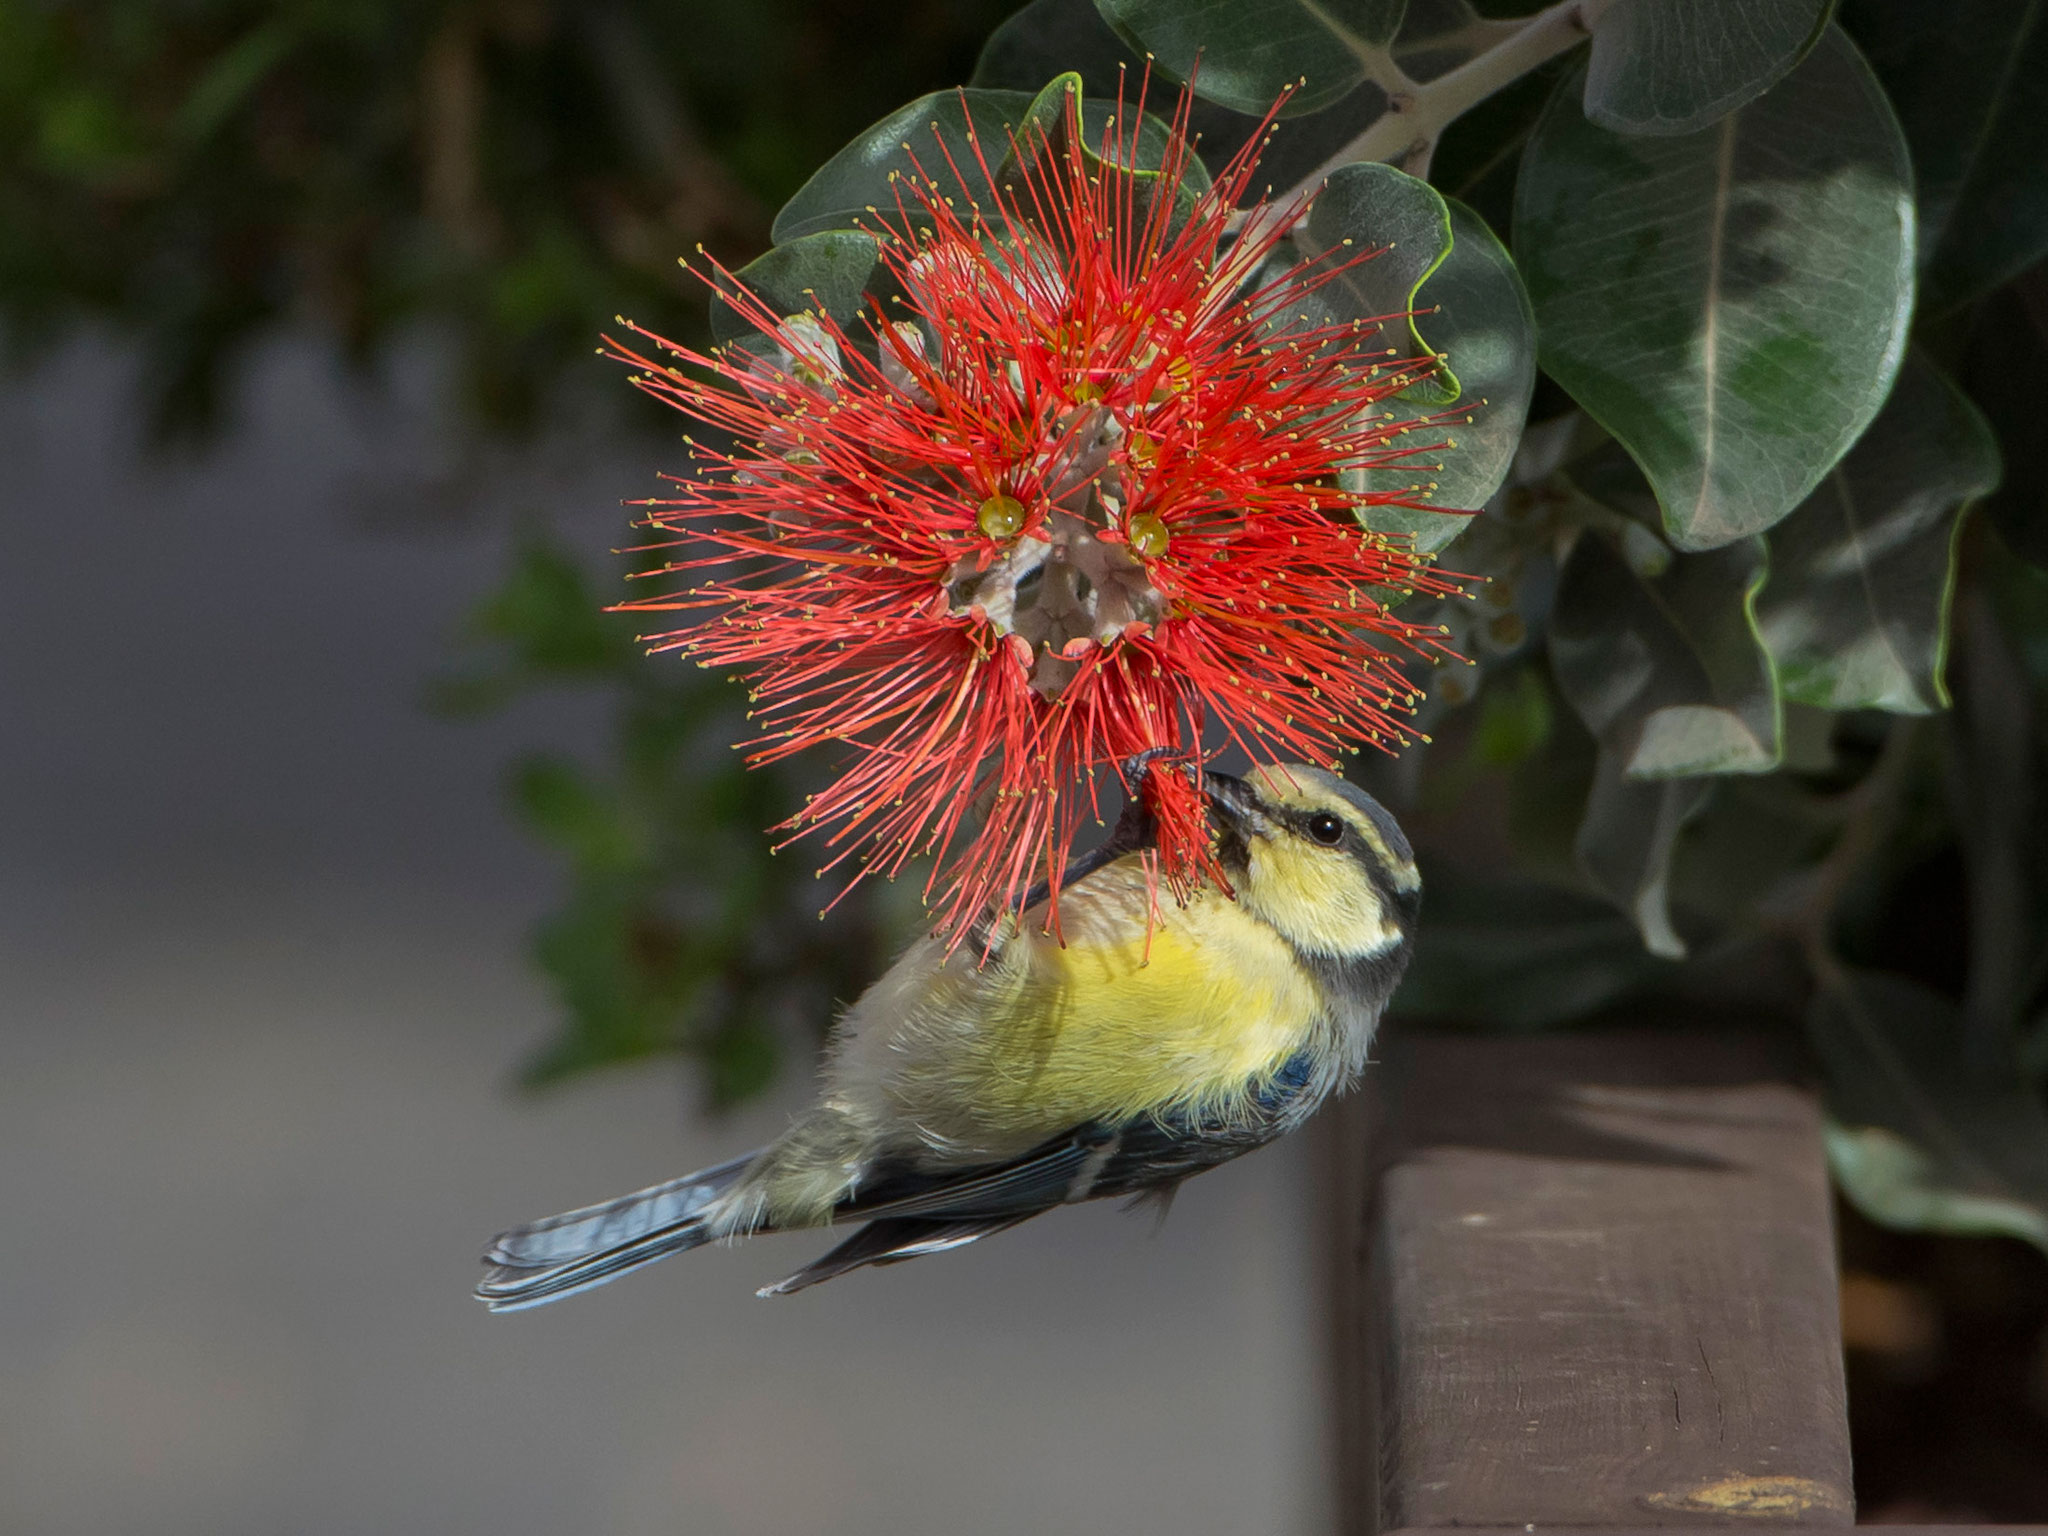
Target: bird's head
{"type": "Point", "coordinates": [1318, 860]}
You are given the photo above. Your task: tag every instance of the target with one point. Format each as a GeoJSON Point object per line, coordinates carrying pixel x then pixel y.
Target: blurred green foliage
{"type": "Point", "coordinates": [680, 933]}
{"type": "Point", "coordinates": [517, 172]}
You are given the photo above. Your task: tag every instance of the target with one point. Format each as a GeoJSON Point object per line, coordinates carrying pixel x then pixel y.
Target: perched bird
{"type": "Point", "coordinates": [974, 1086]}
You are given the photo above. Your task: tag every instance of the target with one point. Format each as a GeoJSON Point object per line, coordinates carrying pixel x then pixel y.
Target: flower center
{"type": "Point", "coordinates": [1062, 587]}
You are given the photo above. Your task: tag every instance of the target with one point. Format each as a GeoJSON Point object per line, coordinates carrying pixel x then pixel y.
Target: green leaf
{"type": "Point", "coordinates": [1252, 50]}
{"type": "Point", "coordinates": [827, 272]}
{"type": "Point", "coordinates": [1970, 81]}
{"type": "Point", "coordinates": [955, 142]}
{"type": "Point", "coordinates": [543, 624]}
{"type": "Point", "coordinates": [560, 804]}
{"type": "Point", "coordinates": [1042, 137]}
{"type": "Point", "coordinates": [1673, 66]}
{"type": "Point", "coordinates": [1920, 1141]}
{"type": "Point", "coordinates": [1856, 610]}
{"type": "Point", "coordinates": [861, 177]}
{"type": "Point", "coordinates": [1367, 206]}
{"type": "Point", "coordinates": [1626, 841]}
{"type": "Point", "coordinates": [1483, 327]}
{"type": "Point", "coordinates": [625, 975]}
{"type": "Point", "coordinates": [1730, 304]}
{"type": "Point", "coordinates": [1755, 844]}
{"type": "Point", "coordinates": [1048, 38]}
{"type": "Point", "coordinates": [1665, 666]}
{"type": "Point", "coordinates": [1514, 719]}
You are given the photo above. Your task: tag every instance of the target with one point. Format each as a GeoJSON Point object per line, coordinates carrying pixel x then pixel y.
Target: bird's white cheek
{"type": "Point", "coordinates": [1323, 902]}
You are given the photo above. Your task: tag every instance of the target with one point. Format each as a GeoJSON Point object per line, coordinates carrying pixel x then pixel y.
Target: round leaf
{"type": "Point", "coordinates": [1042, 135]}
{"type": "Point", "coordinates": [1856, 611]}
{"type": "Point", "coordinates": [861, 177]}
{"type": "Point", "coordinates": [1366, 206]}
{"type": "Point", "coordinates": [1730, 304]}
{"type": "Point", "coordinates": [1665, 666]}
{"type": "Point", "coordinates": [1478, 319]}
{"type": "Point", "coordinates": [1673, 66]}
{"type": "Point", "coordinates": [1050, 37]}
{"type": "Point", "coordinates": [955, 141]}
{"type": "Point", "coordinates": [1626, 841]}
{"type": "Point", "coordinates": [827, 272]}
{"type": "Point", "coordinates": [1249, 51]}
{"type": "Point", "coordinates": [1924, 1138]}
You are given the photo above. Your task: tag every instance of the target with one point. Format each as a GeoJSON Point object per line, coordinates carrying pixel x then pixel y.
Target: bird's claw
{"type": "Point", "coordinates": [1135, 769]}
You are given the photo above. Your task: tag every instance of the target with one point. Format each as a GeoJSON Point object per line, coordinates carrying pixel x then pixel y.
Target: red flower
{"type": "Point", "coordinates": [1080, 501]}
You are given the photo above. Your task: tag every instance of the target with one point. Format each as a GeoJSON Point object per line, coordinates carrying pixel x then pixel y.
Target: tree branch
{"type": "Point", "coordinates": [1405, 134]}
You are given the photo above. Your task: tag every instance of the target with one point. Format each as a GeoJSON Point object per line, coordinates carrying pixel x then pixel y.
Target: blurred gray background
{"type": "Point", "coordinates": [263, 990]}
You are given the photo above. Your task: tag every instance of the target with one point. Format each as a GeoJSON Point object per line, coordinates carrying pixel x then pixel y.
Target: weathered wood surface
{"type": "Point", "coordinates": [1598, 1288]}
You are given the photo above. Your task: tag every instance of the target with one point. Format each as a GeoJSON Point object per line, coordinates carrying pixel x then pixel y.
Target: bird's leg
{"type": "Point", "coordinates": [1137, 828]}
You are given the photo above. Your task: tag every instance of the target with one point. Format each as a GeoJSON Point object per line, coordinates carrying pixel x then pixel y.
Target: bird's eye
{"type": "Point", "coordinates": [1326, 829]}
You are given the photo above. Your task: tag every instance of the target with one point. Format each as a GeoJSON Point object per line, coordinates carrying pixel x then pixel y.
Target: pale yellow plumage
{"type": "Point", "coordinates": [1115, 1021]}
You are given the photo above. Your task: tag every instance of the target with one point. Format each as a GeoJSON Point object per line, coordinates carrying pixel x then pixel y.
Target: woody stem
{"type": "Point", "coordinates": [1405, 135]}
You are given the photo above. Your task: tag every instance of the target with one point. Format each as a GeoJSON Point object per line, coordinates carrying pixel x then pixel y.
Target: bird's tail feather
{"type": "Point", "coordinates": [891, 1240]}
{"type": "Point", "coordinates": [571, 1252]}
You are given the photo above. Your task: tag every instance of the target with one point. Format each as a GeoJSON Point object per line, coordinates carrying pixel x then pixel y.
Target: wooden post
{"type": "Point", "coordinates": [1597, 1288]}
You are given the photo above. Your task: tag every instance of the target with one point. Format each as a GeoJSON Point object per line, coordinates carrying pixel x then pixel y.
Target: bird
{"type": "Point", "coordinates": [1116, 1052]}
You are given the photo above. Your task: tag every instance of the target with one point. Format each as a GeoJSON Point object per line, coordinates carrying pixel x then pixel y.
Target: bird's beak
{"type": "Point", "coordinates": [1236, 801]}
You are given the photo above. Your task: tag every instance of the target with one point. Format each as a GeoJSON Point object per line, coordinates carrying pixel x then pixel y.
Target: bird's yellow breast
{"type": "Point", "coordinates": [1113, 1023]}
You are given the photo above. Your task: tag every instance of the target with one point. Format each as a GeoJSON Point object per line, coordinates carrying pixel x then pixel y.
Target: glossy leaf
{"type": "Point", "coordinates": [828, 271]}
{"type": "Point", "coordinates": [1856, 609]}
{"type": "Point", "coordinates": [1050, 37]}
{"type": "Point", "coordinates": [908, 142]}
{"type": "Point", "coordinates": [1665, 666]}
{"type": "Point", "coordinates": [1674, 66]}
{"type": "Point", "coordinates": [1372, 207]}
{"type": "Point", "coordinates": [1249, 51]}
{"type": "Point", "coordinates": [1730, 304]}
{"type": "Point", "coordinates": [1477, 317]}
{"type": "Point", "coordinates": [1625, 844]}
{"type": "Point", "coordinates": [1970, 81]}
{"type": "Point", "coordinates": [1919, 1140]}
{"type": "Point", "coordinates": [955, 141]}
{"type": "Point", "coordinates": [1043, 134]}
